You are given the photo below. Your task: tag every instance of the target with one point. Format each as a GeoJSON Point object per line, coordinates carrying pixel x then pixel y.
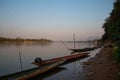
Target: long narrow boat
{"type": "Point", "coordinates": [50, 73]}
{"type": "Point", "coordinates": [39, 62]}
{"type": "Point", "coordinates": [80, 50]}
{"type": "Point", "coordinates": [27, 74]}
{"type": "Point", "coordinates": [83, 49]}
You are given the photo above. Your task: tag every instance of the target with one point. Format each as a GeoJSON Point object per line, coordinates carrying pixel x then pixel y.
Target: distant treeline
{"type": "Point", "coordinates": [3, 39]}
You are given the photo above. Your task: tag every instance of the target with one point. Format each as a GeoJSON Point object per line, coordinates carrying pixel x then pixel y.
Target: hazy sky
{"type": "Point", "coordinates": [53, 19]}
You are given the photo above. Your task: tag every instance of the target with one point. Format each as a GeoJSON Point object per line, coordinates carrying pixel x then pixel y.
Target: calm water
{"type": "Point", "coordinates": [9, 59]}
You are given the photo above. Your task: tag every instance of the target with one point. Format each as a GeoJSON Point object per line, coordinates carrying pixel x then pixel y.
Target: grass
{"type": "Point", "coordinates": [116, 54]}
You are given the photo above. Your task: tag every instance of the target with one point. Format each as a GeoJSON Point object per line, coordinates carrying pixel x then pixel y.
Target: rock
{"type": "Point", "coordinates": [91, 73]}
{"type": "Point", "coordinates": [87, 63]}
{"type": "Point", "coordinates": [119, 73]}
{"type": "Point", "coordinates": [100, 63]}
{"type": "Point", "coordinates": [83, 66]}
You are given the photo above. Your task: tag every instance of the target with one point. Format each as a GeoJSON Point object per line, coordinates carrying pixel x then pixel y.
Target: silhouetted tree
{"type": "Point", "coordinates": [112, 24]}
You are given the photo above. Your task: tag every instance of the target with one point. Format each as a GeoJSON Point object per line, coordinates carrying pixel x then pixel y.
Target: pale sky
{"type": "Point", "coordinates": [53, 19]}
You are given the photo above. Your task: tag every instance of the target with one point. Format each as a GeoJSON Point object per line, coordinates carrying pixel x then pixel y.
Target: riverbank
{"type": "Point", "coordinates": [102, 66]}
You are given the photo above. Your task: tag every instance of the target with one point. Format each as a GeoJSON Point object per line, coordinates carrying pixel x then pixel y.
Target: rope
{"type": "Point", "coordinates": [21, 66]}
{"type": "Point", "coordinates": [65, 45]}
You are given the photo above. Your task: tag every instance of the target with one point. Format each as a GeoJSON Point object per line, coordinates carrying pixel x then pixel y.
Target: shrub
{"type": "Point", "coordinates": [116, 54]}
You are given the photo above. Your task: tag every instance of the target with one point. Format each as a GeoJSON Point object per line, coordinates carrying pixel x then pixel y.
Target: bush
{"type": "Point", "coordinates": [116, 53]}
{"type": "Point", "coordinates": [117, 43]}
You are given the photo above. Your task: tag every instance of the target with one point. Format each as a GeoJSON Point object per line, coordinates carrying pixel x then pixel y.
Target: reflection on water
{"type": "Point", "coordinates": [9, 59]}
{"type": "Point", "coordinates": [48, 74]}
{"type": "Point", "coordinates": [18, 44]}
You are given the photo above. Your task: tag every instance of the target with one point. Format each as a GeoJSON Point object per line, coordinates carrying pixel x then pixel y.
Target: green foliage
{"type": "Point", "coordinates": [117, 43]}
{"type": "Point", "coordinates": [116, 54]}
{"type": "Point", "coordinates": [112, 24]}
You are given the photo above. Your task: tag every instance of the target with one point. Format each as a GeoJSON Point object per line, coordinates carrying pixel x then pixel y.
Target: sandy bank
{"type": "Point", "coordinates": [102, 66]}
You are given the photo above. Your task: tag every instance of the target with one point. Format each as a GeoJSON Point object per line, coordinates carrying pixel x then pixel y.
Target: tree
{"type": "Point", "coordinates": [112, 24]}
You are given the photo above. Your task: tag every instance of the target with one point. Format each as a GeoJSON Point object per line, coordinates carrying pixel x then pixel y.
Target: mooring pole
{"type": "Point", "coordinates": [21, 66]}
{"type": "Point", "coordinates": [74, 40]}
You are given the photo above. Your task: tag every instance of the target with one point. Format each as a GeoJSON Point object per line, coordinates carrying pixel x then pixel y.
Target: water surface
{"type": "Point", "coordinates": [9, 59]}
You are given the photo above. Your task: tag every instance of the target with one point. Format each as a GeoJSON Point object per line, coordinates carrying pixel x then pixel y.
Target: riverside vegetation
{"type": "Point", "coordinates": [112, 30]}
{"type": "Point", "coordinates": [106, 64]}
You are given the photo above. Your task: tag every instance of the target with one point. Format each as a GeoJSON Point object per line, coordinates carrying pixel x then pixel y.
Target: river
{"type": "Point", "coordinates": [9, 59]}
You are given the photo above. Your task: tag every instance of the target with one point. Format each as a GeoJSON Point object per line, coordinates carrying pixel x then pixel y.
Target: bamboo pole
{"type": "Point", "coordinates": [74, 40]}
{"type": "Point", "coordinates": [21, 66]}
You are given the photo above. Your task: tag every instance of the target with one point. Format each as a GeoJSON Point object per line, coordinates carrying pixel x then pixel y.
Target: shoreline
{"type": "Point", "coordinates": [102, 66]}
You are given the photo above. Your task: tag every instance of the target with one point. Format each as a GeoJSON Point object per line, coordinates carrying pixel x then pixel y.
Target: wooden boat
{"type": "Point", "coordinates": [48, 74]}
{"type": "Point", "coordinates": [83, 49]}
{"type": "Point", "coordinates": [31, 72]}
{"type": "Point", "coordinates": [67, 58]}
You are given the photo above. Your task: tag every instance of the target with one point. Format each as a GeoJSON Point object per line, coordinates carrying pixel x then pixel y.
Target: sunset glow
{"type": "Point", "coordinates": [53, 19]}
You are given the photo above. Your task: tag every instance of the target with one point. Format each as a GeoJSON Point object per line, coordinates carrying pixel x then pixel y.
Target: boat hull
{"type": "Point", "coordinates": [27, 74]}
{"type": "Point", "coordinates": [67, 58]}
{"type": "Point", "coordinates": [83, 50]}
